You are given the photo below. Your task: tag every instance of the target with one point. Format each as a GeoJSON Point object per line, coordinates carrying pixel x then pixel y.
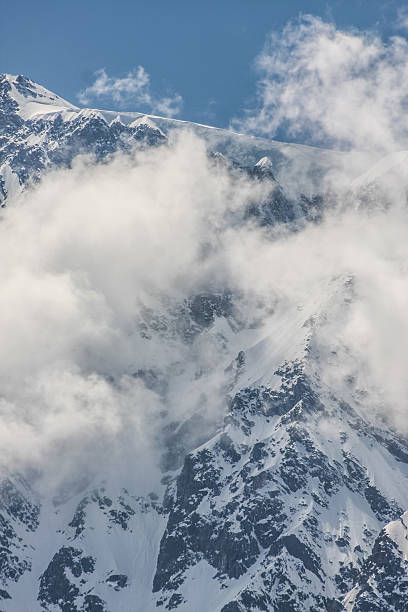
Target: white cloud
{"type": "Point", "coordinates": [134, 88]}
{"type": "Point", "coordinates": [402, 19]}
{"type": "Point", "coordinates": [169, 106]}
{"type": "Point", "coordinates": [90, 248]}
{"type": "Point", "coordinates": [84, 254]}
{"type": "Point", "coordinates": [342, 88]}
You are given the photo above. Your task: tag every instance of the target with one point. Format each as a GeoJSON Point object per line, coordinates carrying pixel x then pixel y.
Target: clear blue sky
{"type": "Point", "coordinates": [203, 50]}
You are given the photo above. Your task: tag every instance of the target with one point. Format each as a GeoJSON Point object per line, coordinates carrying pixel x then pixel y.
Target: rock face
{"type": "Point", "coordinates": [39, 130]}
{"type": "Point", "coordinates": [382, 583]}
{"type": "Point", "coordinates": [291, 500]}
{"type": "Point", "coordinates": [19, 518]}
{"type": "Point", "coordinates": [279, 514]}
{"type": "Point", "coordinates": [280, 507]}
{"type": "Point", "coordinates": [278, 510]}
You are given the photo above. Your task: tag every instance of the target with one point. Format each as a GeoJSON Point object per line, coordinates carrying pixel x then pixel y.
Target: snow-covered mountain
{"type": "Point", "coordinates": [292, 497]}
{"type": "Point", "coordinates": [40, 130]}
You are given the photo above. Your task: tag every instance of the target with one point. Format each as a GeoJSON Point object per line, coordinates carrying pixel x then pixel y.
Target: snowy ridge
{"type": "Point", "coordinates": [32, 99]}
{"type": "Point", "coordinates": [35, 123]}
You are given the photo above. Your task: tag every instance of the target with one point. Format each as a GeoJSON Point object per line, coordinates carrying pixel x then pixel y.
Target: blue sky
{"type": "Point", "coordinates": [203, 51]}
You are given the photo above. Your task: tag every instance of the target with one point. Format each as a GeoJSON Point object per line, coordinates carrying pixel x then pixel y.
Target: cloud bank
{"type": "Point", "coordinates": [134, 88]}
{"type": "Point", "coordinates": [341, 88]}
{"type": "Point", "coordinates": [86, 255]}
{"type": "Point", "coordinates": [94, 252]}
{"type": "Point", "coordinates": [92, 249]}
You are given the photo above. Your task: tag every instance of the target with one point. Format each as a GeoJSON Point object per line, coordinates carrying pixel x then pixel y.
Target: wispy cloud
{"type": "Point", "coordinates": [402, 19]}
{"type": "Point", "coordinates": [133, 88]}
{"type": "Point", "coordinates": [345, 88]}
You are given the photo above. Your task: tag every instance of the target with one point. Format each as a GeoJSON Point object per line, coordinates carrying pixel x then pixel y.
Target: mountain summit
{"type": "Point", "coordinates": [28, 99]}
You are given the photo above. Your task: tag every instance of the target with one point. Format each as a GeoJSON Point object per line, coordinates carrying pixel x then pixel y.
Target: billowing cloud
{"type": "Point", "coordinates": [341, 88]}
{"type": "Point", "coordinates": [94, 250]}
{"type": "Point", "coordinates": [87, 255]}
{"type": "Point", "coordinates": [133, 88]}
{"type": "Point", "coordinates": [95, 254]}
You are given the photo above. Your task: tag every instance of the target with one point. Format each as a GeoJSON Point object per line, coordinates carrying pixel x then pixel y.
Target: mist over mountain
{"type": "Point", "coordinates": [203, 349]}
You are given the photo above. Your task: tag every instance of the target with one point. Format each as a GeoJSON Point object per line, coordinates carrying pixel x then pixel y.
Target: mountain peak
{"type": "Point", "coordinates": [28, 99]}
{"type": "Point", "coordinates": [264, 163]}
{"type": "Point", "coordinates": [145, 120]}
{"type": "Point", "coordinates": [264, 168]}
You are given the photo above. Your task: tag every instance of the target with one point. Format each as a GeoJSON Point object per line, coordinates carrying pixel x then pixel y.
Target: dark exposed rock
{"type": "Point", "coordinates": [383, 580]}
{"type": "Point", "coordinates": [4, 594]}
{"type": "Point", "coordinates": [56, 587]}
{"type": "Point", "coordinates": [118, 581]}
{"type": "Point", "coordinates": [93, 603]}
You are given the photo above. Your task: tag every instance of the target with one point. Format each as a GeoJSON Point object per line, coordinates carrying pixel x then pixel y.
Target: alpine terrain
{"type": "Point", "coordinates": [276, 488]}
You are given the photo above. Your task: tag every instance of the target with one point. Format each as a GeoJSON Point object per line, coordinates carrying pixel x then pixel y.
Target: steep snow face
{"type": "Point", "coordinates": [28, 99]}
{"type": "Point", "coordinates": [97, 549]}
{"type": "Point", "coordinates": [398, 532]}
